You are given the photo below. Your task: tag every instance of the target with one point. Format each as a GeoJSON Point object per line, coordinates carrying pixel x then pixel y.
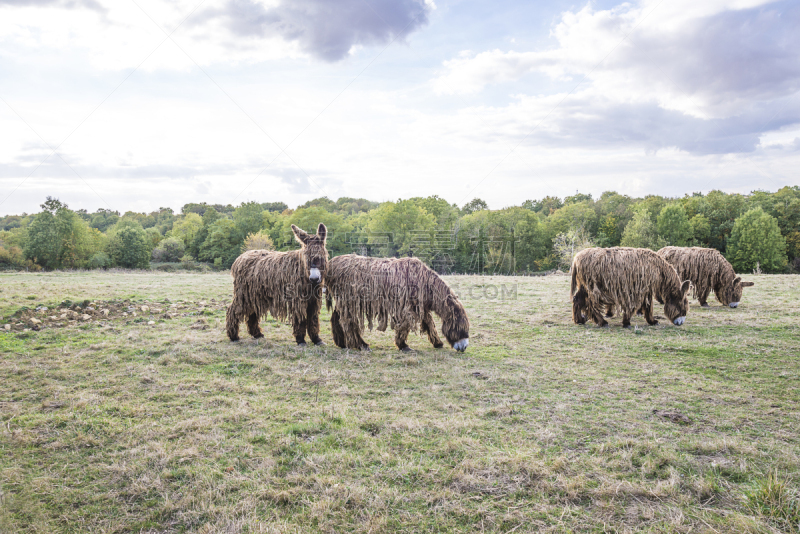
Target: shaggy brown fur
{"type": "Point", "coordinates": [626, 278]}
{"type": "Point", "coordinates": [400, 292]}
{"type": "Point", "coordinates": [280, 283]}
{"type": "Point", "coordinates": [708, 270]}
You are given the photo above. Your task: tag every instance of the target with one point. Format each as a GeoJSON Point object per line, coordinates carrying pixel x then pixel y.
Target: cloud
{"type": "Point", "coordinates": [327, 29]}
{"type": "Point", "coordinates": [706, 79]}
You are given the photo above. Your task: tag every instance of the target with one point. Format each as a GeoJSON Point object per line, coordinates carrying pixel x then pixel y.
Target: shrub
{"type": "Point", "coordinates": [641, 233]}
{"type": "Point", "coordinates": [129, 247]}
{"type": "Point", "coordinates": [100, 260]}
{"type": "Point", "coordinates": [169, 250]}
{"type": "Point", "coordinates": [673, 225]}
{"type": "Point", "coordinates": [258, 241]}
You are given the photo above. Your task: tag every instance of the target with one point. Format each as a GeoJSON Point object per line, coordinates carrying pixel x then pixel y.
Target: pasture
{"type": "Point", "coordinates": [154, 422]}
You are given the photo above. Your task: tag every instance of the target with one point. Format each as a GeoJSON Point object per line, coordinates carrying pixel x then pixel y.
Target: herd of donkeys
{"type": "Point", "coordinates": [403, 293]}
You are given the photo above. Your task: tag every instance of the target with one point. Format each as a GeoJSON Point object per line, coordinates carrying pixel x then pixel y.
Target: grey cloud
{"type": "Point", "coordinates": [326, 29]}
{"type": "Point", "coordinates": [593, 122]}
{"type": "Point", "coordinates": [735, 54]}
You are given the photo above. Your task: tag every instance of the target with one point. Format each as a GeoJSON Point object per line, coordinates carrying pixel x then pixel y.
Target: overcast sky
{"type": "Point", "coordinates": [137, 104]}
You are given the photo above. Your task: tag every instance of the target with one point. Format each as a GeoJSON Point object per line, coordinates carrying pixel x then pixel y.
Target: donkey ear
{"type": "Point", "coordinates": [737, 280]}
{"type": "Point", "coordinates": [300, 235]}
{"type": "Point", "coordinates": [322, 231]}
{"type": "Point", "coordinates": [685, 286]}
{"type": "Point", "coordinates": [748, 284]}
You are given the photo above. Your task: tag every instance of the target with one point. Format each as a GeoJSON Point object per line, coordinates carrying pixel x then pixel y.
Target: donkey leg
{"type": "Point", "coordinates": [402, 328]}
{"type": "Point", "coordinates": [610, 310]}
{"type": "Point", "coordinates": [703, 297]}
{"type": "Point", "coordinates": [253, 326]}
{"type": "Point", "coordinates": [647, 308]}
{"type": "Point", "coordinates": [299, 331]}
{"type": "Point", "coordinates": [579, 306]}
{"type": "Point", "coordinates": [232, 322]}
{"type": "Point", "coordinates": [337, 330]}
{"type": "Point", "coordinates": [429, 327]}
{"type": "Point", "coordinates": [597, 317]}
{"type": "Point", "coordinates": [626, 319]}
{"type": "Point", "coordinates": [312, 314]}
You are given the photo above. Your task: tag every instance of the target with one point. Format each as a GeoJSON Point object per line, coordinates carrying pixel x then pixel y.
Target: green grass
{"type": "Point", "coordinates": [115, 425]}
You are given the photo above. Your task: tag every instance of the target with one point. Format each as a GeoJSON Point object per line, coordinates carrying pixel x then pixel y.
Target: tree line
{"type": "Point", "coordinates": [756, 231]}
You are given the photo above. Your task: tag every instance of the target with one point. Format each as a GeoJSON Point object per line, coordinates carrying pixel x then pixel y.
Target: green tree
{"type": "Point", "coordinates": [128, 245]}
{"type": "Point", "coordinates": [580, 215]}
{"type": "Point", "coordinates": [186, 228]}
{"type": "Point", "coordinates": [756, 239]}
{"type": "Point", "coordinates": [222, 246]}
{"type": "Point", "coordinates": [673, 225]}
{"type": "Point", "coordinates": [476, 204]}
{"type": "Point", "coordinates": [701, 230]}
{"type": "Point", "coordinates": [641, 232]}
{"type": "Point", "coordinates": [249, 219]}
{"type": "Point", "coordinates": [170, 249]}
{"type": "Point", "coordinates": [59, 238]}
{"type": "Point", "coordinates": [402, 228]}
{"type": "Point", "coordinates": [210, 216]}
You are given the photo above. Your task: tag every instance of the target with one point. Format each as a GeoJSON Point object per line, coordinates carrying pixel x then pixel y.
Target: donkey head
{"type": "Point", "coordinates": [455, 324]}
{"type": "Point", "coordinates": [731, 295]}
{"type": "Point", "coordinates": [676, 304]}
{"type": "Point", "coordinates": [315, 255]}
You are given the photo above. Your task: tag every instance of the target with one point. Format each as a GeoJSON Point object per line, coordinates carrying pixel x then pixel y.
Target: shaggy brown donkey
{"type": "Point", "coordinates": [400, 292]}
{"type": "Point", "coordinates": [626, 278]}
{"type": "Point", "coordinates": [285, 284]}
{"type": "Point", "coordinates": [708, 270]}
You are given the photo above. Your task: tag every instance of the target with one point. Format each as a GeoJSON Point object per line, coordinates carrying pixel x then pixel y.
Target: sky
{"type": "Point", "coordinates": [142, 104]}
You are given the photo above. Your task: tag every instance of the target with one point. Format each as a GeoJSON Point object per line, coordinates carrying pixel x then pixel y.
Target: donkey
{"type": "Point", "coordinates": [285, 284]}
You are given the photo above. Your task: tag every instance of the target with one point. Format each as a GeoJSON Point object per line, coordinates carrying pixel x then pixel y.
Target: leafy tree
{"type": "Point", "coordinates": [58, 237]}
{"type": "Point", "coordinates": [641, 232]}
{"type": "Point", "coordinates": [476, 204]}
{"type": "Point", "coordinates": [721, 210]}
{"type": "Point", "coordinates": [210, 216]}
{"type": "Point", "coordinates": [103, 219]}
{"type": "Point", "coordinates": [249, 219]}
{"type": "Point", "coordinates": [170, 249]}
{"type": "Point", "coordinates": [572, 216]}
{"type": "Point", "coordinates": [701, 230]}
{"type": "Point", "coordinates": [274, 206]}
{"type": "Point", "coordinates": [186, 228]}
{"type": "Point", "coordinates": [673, 225]}
{"type": "Point", "coordinates": [756, 239]}
{"type": "Point", "coordinates": [402, 228]}
{"type": "Point", "coordinates": [546, 206]}
{"type": "Point", "coordinates": [154, 237]}
{"type": "Point", "coordinates": [128, 246]}
{"type": "Point", "coordinates": [259, 241]}
{"type": "Point", "coordinates": [446, 214]}
{"type": "Point", "coordinates": [222, 245]}
{"type": "Point", "coordinates": [578, 197]}
{"type": "Point", "coordinates": [100, 260]}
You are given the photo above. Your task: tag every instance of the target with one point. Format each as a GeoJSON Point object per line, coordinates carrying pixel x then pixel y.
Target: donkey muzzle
{"type": "Point", "coordinates": [314, 275]}
{"type": "Point", "coordinates": [461, 344]}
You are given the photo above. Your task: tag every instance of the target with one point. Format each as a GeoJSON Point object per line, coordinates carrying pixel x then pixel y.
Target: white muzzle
{"type": "Point", "coordinates": [461, 345]}
{"type": "Point", "coordinates": [314, 275]}
{"type": "Point", "coordinates": [680, 320]}
{"type": "Point", "coordinates": [733, 304]}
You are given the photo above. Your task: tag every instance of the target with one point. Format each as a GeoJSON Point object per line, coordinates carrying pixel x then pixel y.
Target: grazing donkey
{"type": "Point", "coordinates": [626, 278]}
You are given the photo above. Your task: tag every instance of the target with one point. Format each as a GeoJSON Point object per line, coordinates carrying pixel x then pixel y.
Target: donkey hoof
{"type": "Point", "coordinates": [301, 344]}
{"type": "Point", "coordinates": [318, 343]}
{"type": "Point", "coordinates": [705, 305]}
{"type": "Point", "coordinates": [438, 345]}
{"type": "Point", "coordinates": [407, 349]}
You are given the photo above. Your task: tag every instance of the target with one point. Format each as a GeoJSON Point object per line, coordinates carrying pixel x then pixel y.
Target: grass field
{"type": "Point", "coordinates": [156, 423]}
